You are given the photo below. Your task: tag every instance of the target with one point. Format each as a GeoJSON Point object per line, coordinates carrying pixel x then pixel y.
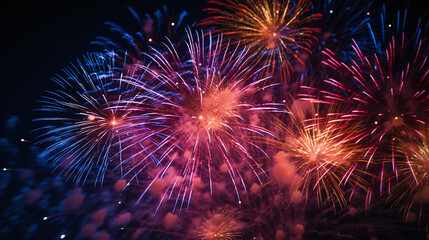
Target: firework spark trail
{"type": "Point", "coordinates": [201, 107]}
{"type": "Point", "coordinates": [410, 192]}
{"type": "Point", "coordinates": [311, 219]}
{"type": "Point", "coordinates": [182, 129]}
{"type": "Point", "coordinates": [220, 226]}
{"type": "Point", "coordinates": [385, 91]}
{"type": "Point", "coordinates": [83, 129]}
{"type": "Point", "coordinates": [149, 31]}
{"type": "Point", "coordinates": [399, 23]}
{"type": "Point", "coordinates": [322, 150]}
{"type": "Point", "coordinates": [278, 31]}
{"type": "Point", "coordinates": [354, 222]}
{"type": "Point", "coordinates": [341, 22]}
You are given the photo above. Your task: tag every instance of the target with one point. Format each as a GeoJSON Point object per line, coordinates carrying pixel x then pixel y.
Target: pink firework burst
{"type": "Point", "coordinates": [202, 105]}
{"type": "Point", "coordinates": [385, 92]}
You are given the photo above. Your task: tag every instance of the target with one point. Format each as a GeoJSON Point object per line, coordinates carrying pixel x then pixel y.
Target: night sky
{"type": "Point", "coordinates": [37, 39]}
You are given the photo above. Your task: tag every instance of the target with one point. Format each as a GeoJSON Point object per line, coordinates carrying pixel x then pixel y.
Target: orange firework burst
{"type": "Point", "coordinates": [278, 30]}
{"type": "Point", "coordinates": [321, 150]}
{"type": "Point", "coordinates": [220, 226]}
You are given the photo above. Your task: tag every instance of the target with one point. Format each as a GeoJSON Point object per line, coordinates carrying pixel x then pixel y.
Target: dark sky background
{"type": "Point", "coordinates": [40, 38]}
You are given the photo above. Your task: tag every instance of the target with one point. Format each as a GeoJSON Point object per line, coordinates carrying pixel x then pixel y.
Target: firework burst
{"type": "Point", "coordinates": [278, 31]}
{"type": "Point", "coordinates": [202, 106]}
{"type": "Point", "coordinates": [412, 187]}
{"type": "Point", "coordinates": [385, 93]}
{"type": "Point", "coordinates": [220, 226]}
{"type": "Point", "coordinates": [320, 150]}
{"type": "Point", "coordinates": [82, 128]}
